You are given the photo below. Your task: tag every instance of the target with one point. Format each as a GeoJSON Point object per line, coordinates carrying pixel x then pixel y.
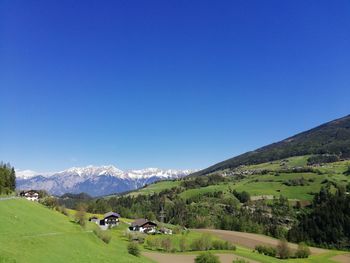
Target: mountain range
{"type": "Point", "coordinates": [95, 181]}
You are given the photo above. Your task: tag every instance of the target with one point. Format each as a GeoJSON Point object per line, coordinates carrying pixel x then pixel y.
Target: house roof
{"type": "Point", "coordinates": [141, 222]}
{"type": "Point", "coordinates": [111, 214]}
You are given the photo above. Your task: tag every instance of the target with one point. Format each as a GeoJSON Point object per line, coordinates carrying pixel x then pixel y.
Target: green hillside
{"type": "Point", "coordinates": [30, 232]}
{"type": "Point", "coordinates": [330, 138]}
{"type": "Point", "coordinates": [266, 179]}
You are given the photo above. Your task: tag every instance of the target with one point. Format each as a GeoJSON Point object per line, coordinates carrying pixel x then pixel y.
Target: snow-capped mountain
{"type": "Point", "coordinates": [96, 181]}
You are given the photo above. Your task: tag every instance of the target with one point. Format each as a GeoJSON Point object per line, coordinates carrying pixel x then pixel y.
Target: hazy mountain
{"type": "Point", "coordinates": [93, 180]}
{"type": "Point", "coordinates": [330, 138]}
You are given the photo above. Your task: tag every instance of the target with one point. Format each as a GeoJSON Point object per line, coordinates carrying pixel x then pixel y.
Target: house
{"type": "Point", "coordinates": [110, 219]}
{"type": "Point", "coordinates": [143, 225]}
{"type": "Point", "coordinates": [94, 219]}
{"type": "Point", "coordinates": [166, 231]}
{"type": "Point", "coordinates": [31, 195]}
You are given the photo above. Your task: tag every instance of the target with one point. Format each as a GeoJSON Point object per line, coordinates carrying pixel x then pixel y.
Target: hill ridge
{"type": "Point", "coordinates": [332, 137]}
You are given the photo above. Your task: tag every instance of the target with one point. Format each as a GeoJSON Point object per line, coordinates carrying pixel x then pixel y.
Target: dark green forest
{"type": "Point", "coordinates": [328, 222]}
{"type": "Point", "coordinates": [7, 178]}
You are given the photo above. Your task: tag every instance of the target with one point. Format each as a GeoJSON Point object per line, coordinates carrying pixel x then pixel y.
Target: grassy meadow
{"type": "Point", "coordinates": [268, 184]}
{"type": "Point", "coordinates": [30, 232]}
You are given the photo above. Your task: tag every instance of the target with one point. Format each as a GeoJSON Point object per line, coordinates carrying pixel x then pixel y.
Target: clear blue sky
{"type": "Point", "coordinates": [169, 84]}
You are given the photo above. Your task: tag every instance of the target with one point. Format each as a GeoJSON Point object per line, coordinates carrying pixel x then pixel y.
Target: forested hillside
{"type": "Point", "coordinates": [332, 138]}
{"type": "Point", "coordinates": [7, 178]}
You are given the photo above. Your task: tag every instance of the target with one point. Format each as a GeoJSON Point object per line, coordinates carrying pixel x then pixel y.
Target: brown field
{"type": "Point", "coordinates": [250, 240]}
{"type": "Point", "coordinates": [342, 258]}
{"type": "Point", "coordinates": [186, 258]}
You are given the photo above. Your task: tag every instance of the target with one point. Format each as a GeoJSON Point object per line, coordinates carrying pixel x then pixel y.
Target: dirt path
{"type": "Point", "coordinates": [186, 258]}
{"type": "Point", "coordinates": [251, 240]}
{"type": "Point", "coordinates": [342, 258]}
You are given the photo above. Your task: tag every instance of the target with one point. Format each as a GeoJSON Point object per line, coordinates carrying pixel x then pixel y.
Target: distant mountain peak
{"type": "Point", "coordinates": [95, 180]}
{"type": "Point", "coordinates": [94, 170]}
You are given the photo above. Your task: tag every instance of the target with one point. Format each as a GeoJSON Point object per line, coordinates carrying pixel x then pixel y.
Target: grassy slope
{"type": "Point", "coordinates": [324, 258]}
{"type": "Point", "coordinates": [155, 188]}
{"type": "Point", "coordinates": [30, 232]}
{"type": "Point", "coordinates": [267, 184]}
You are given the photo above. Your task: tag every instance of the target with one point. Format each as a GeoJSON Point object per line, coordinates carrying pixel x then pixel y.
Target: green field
{"type": "Point", "coordinates": [155, 188]}
{"type": "Point", "coordinates": [267, 184]}
{"type": "Point", "coordinates": [30, 232]}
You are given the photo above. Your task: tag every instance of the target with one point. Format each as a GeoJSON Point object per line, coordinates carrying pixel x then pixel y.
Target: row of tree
{"type": "Point", "coordinates": [7, 178]}
{"type": "Point", "coordinates": [327, 223]}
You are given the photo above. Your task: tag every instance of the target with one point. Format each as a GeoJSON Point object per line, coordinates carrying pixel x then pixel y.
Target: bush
{"type": "Point", "coordinates": [283, 250]}
{"type": "Point", "coordinates": [202, 243]}
{"type": "Point", "coordinates": [134, 249]}
{"type": "Point", "coordinates": [207, 258]}
{"type": "Point", "coordinates": [49, 201]}
{"type": "Point", "coordinates": [303, 251]}
{"type": "Point", "coordinates": [104, 236]}
{"type": "Point", "coordinates": [240, 261]}
{"type": "Point", "coordinates": [80, 216]}
{"type": "Point", "coordinates": [150, 242]}
{"type": "Point", "coordinates": [166, 244]}
{"type": "Point", "coordinates": [183, 244]}
{"type": "Point", "coordinates": [135, 236]}
{"type": "Point", "coordinates": [266, 250]}
{"type": "Point", "coordinates": [63, 210]}
{"type": "Point", "coordinates": [222, 245]}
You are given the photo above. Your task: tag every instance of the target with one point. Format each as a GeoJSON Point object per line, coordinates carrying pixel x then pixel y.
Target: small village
{"type": "Point", "coordinates": [112, 219]}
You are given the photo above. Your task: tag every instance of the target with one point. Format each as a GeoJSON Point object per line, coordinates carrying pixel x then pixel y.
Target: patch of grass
{"type": "Point", "coordinates": [324, 258]}
{"type": "Point", "coordinates": [30, 232]}
{"type": "Point", "coordinates": [155, 188]}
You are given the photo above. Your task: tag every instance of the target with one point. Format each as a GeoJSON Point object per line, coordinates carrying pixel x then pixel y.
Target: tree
{"type": "Point", "coordinates": [328, 222]}
{"type": "Point", "coordinates": [207, 258]}
{"type": "Point", "coordinates": [7, 178]}
{"type": "Point", "coordinates": [283, 250]}
{"type": "Point", "coordinates": [133, 249]}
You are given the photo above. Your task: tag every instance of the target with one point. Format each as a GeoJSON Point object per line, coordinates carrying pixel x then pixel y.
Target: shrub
{"type": "Point", "coordinates": [202, 243]}
{"type": "Point", "coordinates": [104, 236]}
{"type": "Point", "coordinates": [63, 210]}
{"type": "Point", "coordinates": [266, 250]}
{"type": "Point", "coordinates": [49, 201]}
{"type": "Point", "coordinates": [150, 242]}
{"type": "Point", "coordinates": [303, 251]}
{"type": "Point", "coordinates": [222, 245]}
{"type": "Point", "coordinates": [177, 230]}
{"type": "Point", "coordinates": [166, 244]}
{"type": "Point", "coordinates": [139, 237]}
{"type": "Point", "coordinates": [207, 258]}
{"type": "Point", "coordinates": [183, 244]}
{"type": "Point", "coordinates": [80, 217]}
{"type": "Point", "coordinates": [133, 249]}
{"type": "Point", "coordinates": [239, 260]}
{"type": "Point", "coordinates": [283, 250]}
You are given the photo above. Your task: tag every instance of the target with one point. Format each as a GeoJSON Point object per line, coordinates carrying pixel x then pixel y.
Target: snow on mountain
{"type": "Point", "coordinates": [94, 180]}
{"type": "Point", "coordinates": [26, 174]}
